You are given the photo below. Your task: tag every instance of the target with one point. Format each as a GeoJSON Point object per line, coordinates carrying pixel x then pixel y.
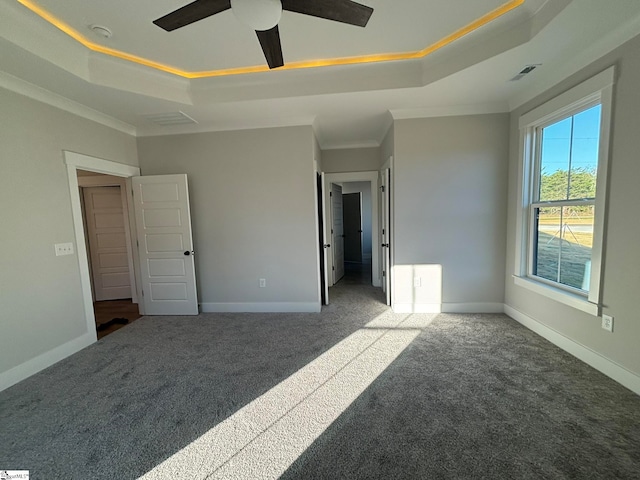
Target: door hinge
{"type": "Point", "coordinates": [333, 268]}
{"type": "Point", "coordinates": [383, 231]}
{"type": "Point", "coordinates": [384, 273]}
{"type": "Point", "coordinates": [142, 292]}
{"type": "Point", "coordinates": [382, 188]}
{"type": "Point", "coordinates": [137, 243]}
{"type": "Point", "coordinates": [331, 194]}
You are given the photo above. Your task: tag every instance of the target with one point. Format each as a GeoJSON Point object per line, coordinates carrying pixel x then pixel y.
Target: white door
{"type": "Point", "coordinates": [337, 229]}
{"type": "Point", "coordinates": [105, 225]}
{"type": "Point", "coordinates": [386, 233]}
{"type": "Point", "coordinates": [163, 222]}
{"type": "Point", "coordinates": [326, 241]}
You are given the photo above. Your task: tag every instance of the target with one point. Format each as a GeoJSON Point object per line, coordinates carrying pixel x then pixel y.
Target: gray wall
{"type": "Point", "coordinates": [365, 189]}
{"type": "Point", "coordinates": [253, 210]}
{"type": "Point", "coordinates": [622, 255]}
{"type": "Point", "coordinates": [40, 294]}
{"type": "Point", "coordinates": [317, 154]}
{"type": "Point", "coordinates": [387, 147]}
{"type": "Point", "coordinates": [450, 191]}
{"type": "Point", "coordinates": [351, 160]}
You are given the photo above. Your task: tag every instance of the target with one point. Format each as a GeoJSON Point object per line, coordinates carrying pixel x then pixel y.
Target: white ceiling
{"type": "Point", "coordinates": [349, 105]}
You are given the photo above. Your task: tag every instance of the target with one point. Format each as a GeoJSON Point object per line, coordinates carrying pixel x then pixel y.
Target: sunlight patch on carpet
{"type": "Point", "coordinates": [262, 439]}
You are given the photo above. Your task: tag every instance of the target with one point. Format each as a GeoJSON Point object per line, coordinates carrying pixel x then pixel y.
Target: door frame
{"type": "Point", "coordinates": [78, 161]}
{"type": "Point", "coordinates": [371, 177]}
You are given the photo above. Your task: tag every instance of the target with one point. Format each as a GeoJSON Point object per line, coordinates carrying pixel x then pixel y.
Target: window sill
{"type": "Point", "coordinates": [558, 295]}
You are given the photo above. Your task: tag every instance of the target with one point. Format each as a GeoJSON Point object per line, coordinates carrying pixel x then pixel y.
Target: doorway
{"type": "Point", "coordinates": [104, 206]}
{"type": "Point", "coordinates": [163, 262]}
{"type": "Point", "coordinates": [352, 220]}
{"type": "Point", "coordinates": [357, 230]}
{"type": "Point", "coordinates": [368, 270]}
{"type": "Point", "coordinates": [74, 162]}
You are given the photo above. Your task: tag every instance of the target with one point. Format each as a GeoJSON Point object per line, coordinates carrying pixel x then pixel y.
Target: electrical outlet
{"type": "Point", "coordinates": [417, 281]}
{"type": "Point", "coordinates": [263, 282]}
{"type": "Point", "coordinates": [63, 249]}
{"type": "Point", "coordinates": [607, 322]}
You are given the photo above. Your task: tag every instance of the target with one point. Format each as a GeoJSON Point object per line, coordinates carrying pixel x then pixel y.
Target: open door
{"type": "Point", "coordinates": [324, 243]}
{"type": "Point", "coordinates": [337, 230]}
{"type": "Point", "coordinates": [165, 245]}
{"type": "Point", "coordinates": [386, 233]}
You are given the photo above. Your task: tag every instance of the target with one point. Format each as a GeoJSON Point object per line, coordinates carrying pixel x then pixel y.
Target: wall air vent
{"type": "Point", "coordinates": [526, 70]}
{"type": "Point", "coordinates": [171, 118]}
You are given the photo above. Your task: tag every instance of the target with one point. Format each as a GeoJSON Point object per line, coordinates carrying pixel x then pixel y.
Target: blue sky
{"type": "Point", "coordinates": [561, 146]}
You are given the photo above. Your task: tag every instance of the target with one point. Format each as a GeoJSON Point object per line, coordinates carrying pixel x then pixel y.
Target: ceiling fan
{"type": "Point", "coordinates": [263, 16]}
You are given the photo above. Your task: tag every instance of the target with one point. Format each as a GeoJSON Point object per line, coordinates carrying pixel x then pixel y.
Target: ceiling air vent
{"type": "Point", "coordinates": [526, 70]}
{"type": "Point", "coordinates": [171, 118]}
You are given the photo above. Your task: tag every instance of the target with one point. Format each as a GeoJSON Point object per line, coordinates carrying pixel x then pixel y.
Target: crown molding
{"type": "Point", "coordinates": [257, 124]}
{"type": "Point", "coordinates": [22, 87]}
{"type": "Point", "coordinates": [450, 111]}
{"type": "Point", "coordinates": [349, 146]}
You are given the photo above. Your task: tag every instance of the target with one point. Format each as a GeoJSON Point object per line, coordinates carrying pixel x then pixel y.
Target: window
{"type": "Point", "coordinates": [564, 166]}
{"type": "Point", "coordinates": [563, 204]}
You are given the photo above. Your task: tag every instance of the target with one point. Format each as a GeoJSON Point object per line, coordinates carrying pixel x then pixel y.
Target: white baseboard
{"type": "Point", "coordinates": [479, 307]}
{"type": "Point", "coordinates": [417, 308]}
{"type": "Point", "coordinates": [33, 366]}
{"type": "Point", "coordinates": [590, 357]}
{"type": "Point", "coordinates": [261, 307]}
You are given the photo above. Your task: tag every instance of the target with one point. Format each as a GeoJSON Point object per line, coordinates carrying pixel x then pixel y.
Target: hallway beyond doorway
{"type": "Point", "coordinates": [356, 274]}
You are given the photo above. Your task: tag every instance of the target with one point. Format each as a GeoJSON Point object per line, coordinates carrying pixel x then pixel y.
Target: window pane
{"type": "Point", "coordinates": [547, 243]}
{"type": "Point", "coordinates": [563, 241]}
{"type": "Point", "coordinates": [584, 153]}
{"type": "Point", "coordinates": [555, 160]}
{"type": "Point", "coordinates": [577, 241]}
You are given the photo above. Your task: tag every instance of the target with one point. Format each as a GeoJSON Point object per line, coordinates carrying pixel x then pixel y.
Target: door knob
{"type": "Point", "coordinates": [326, 245]}
{"type": "Point", "coordinates": [187, 252]}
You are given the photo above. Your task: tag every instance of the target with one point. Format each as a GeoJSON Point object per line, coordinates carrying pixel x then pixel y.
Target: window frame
{"type": "Point", "coordinates": [596, 90]}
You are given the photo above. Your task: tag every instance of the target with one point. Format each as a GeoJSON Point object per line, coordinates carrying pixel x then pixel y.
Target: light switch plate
{"type": "Point", "coordinates": [64, 249]}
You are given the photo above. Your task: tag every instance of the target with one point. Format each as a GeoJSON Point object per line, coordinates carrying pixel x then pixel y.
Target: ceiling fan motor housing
{"type": "Point", "coordinates": [260, 15]}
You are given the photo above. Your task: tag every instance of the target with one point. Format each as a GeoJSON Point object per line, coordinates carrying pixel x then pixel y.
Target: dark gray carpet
{"type": "Point", "coordinates": [479, 396]}
{"type": "Point", "coordinates": [474, 396]}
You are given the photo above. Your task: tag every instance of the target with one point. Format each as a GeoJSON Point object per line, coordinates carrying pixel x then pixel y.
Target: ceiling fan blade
{"type": "Point", "coordinates": [344, 11]}
{"type": "Point", "coordinates": [270, 43]}
{"type": "Point", "coordinates": [192, 13]}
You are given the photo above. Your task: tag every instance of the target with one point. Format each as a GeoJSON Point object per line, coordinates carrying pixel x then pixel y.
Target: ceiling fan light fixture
{"type": "Point", "coordinates": [260, 15]}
